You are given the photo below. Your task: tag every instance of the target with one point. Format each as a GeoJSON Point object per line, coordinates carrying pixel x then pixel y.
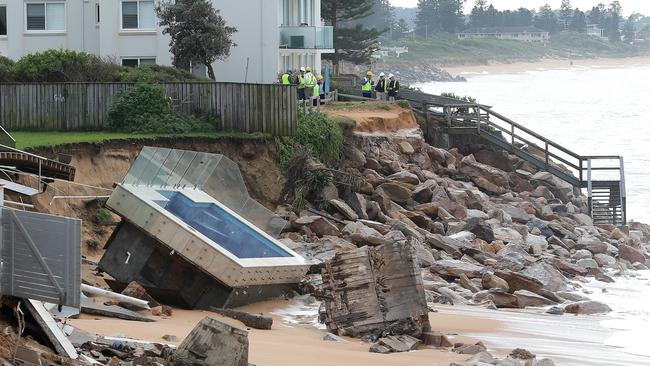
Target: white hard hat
{"type": "Point", "coordinates": [382, 74]}
{"type": "Point", "coordinates": [390, 76]}
{"type": "Point", "coordinates": [302, 69]}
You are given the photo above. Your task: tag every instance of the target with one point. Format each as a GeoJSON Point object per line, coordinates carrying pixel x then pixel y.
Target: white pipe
{"type": "Point", "coordinates": [115, 296]}
{"type": "Point", "coordinates": [76, 198]}
{"type": "Point", "coordinates": [17, 204]}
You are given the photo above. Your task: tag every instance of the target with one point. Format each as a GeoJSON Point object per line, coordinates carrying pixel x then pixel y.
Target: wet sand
{"type": "Point", "coordinates": [568, 340]}
{"type": "Point", "coordinates": [545, 64]}
{"type": "Point", "coordinates": [293, 344]}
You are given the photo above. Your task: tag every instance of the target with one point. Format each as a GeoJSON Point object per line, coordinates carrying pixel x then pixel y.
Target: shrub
{"type": "Point", "coordinates": [321, 136]}
{"type": "Point", "coordinates": [136, 106]}
{"type": "Point", "coordinates": [458, 97]}
{"type": "Point", "coordinates": [145, 108]}
{"type": "Point", "coordinates": [61, 66]}
{"type": "Point", "coordinates": [92, 244]}
{"type": "Point", "coordinates": [153, 74]}
{"type": "Point", "coordinates": [6, 69]}
{"type": "Point", "coordinates": [103, 217]}
{"type": "Point", "coordinates": [403, 103]}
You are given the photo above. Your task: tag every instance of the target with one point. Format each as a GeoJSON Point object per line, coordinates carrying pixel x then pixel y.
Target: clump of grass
{"type": "Point", "coordinates": [92, 244]}
{"type": "Point", "coordinates": [103, 217]}
{"type": "Point", "coordinates": [317, 135]}
{"type": "Point", "coordinates": [403, 103]}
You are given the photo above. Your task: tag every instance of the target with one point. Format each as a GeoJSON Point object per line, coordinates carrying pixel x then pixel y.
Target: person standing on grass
{"type": "Point", "coordinates": [301, 85]}
{"type": "Point", "coordinates": [367, 84]}
{"type": "Point", "coordinates": [393, 88]}
{"type": "Point", "coordinates": [318, 90]}
{"type": "Point", "coordinates": [381, 87]}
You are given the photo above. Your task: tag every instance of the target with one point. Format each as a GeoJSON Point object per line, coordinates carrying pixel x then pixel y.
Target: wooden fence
{"type": "Point", "coordinates": [250, 108]}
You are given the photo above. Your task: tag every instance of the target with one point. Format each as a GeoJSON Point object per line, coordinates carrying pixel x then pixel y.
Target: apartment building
{"type": "Point", "coordinates": [272, 34]}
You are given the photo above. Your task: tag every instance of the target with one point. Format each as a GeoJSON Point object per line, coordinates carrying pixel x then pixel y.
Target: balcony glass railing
{"type": "Point", "coordinates": [306, 38]}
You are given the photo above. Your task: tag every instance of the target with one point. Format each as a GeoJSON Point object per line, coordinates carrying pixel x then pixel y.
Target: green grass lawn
{"type": "Point", "coordinates": [31, 139]}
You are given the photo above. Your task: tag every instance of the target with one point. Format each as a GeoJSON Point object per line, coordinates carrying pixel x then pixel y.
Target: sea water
{"type": "Point", "coordinates": [590, 110]}
{"type": "Point", "coordinates": [593, 111]}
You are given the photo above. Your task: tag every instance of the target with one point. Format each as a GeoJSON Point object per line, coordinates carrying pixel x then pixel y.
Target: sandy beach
{"type": "Point", "coordinates": [545, 64]}
{"type": "Point", "coordinates": [569, 340]}
{"type": "Point", "coordinates": [295, 344]}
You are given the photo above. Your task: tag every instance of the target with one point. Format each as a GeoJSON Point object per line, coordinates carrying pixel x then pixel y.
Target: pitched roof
{"type": "Point", "coordinates": [503, 30]}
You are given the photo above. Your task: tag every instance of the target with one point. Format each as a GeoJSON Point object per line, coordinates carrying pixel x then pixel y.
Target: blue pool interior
{"type": "Point", "coordinates": [221, 227]}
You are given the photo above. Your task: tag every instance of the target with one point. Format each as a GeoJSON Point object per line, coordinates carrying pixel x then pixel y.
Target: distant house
{"type": "Point", "coordinates": [595, 30]}
{"type": "Point", "coordinates": [524, 34]}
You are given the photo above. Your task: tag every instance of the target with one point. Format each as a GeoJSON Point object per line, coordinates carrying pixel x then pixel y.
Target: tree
{"type": "Point", "coordinates": [578, 21]}
{"type": "Point", "coordinates": [198, 32]}
{"type": "Point", "coordinates": [546, 19]}
{"type": "Point", "coordinates": [382, 17]}
{"type": "Point", "coordinates": [439, 15]}
{"type": "Point", "coordinates": [335, 11]}
{"type": "Point", "coordinates": [477, 16]}
{"type": "Point", "coordinates": [523, 17]}
{"type": "Point", "coordinates": [356, 44]}
{"type": "Point", "coordinates": [401, 29]}
{"type": "Point", "coordinates": [351, 43]}
{"type": "Point", "coordinates": [566, 14]}
{"type": "Point", "coordinates": [613, 28]}
{"type": "Point", "coordinates": [629, 29]}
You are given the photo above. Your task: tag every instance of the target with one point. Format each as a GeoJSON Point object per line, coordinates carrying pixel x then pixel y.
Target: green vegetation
{"type": "Point", "coordinates": [58, 65]}
{"type": "Point", "coordinates": [318, 136]}
{"type": "Point", "coordinates": [403, 103]}
{"type": "Point", "coordinates": [458, 97]}
{"type": "Point", "coordinates": [448, 49]}
{"type": "Point", "coordinates": [92, 244]}
{"type": "Point", "coordinates": [146, 109]}
{"type": "Point", "coordinates": [103, 217]}
{"type": "Point", "coordinates": [32, 139]}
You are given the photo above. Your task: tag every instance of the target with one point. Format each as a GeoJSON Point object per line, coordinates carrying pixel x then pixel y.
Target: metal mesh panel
{"type": "Point", "coordinates": [40, 257]}
{"type": "Point", "coordinates": [213, 174]}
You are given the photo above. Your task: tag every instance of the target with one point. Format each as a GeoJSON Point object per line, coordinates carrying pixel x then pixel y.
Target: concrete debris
{"type": "Point", "coordinates": [364, 291]}
{"type": "Point", "coordinates": [213, 343]}
{"type": "Point", "coordinates": [249, 320]}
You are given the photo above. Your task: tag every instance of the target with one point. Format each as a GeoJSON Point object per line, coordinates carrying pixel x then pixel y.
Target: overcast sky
{"type": "Point", "coordinates": [629, 6]}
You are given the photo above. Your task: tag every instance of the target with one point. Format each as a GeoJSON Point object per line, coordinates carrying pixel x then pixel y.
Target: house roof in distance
{"type": "Point", "coordinates": [513, 29]}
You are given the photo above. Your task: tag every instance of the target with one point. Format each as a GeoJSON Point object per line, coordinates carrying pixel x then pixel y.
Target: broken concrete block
{"type": "Point", "coordinates": [249, 320]}
{"type": "Point", "coordinates": [213, 343]}
{"type": "Point", "coordinates": [365, 290]}
{"type": "Point", "coordinates": [402, 343]}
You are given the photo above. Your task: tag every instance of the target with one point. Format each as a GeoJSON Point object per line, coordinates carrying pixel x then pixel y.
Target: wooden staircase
{"type": "Point", "coordinates": [603, 177]}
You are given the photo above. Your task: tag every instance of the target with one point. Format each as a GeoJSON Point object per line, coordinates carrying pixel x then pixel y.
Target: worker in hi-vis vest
{"type": "Point", "coordinates": [301, 84]}
{"type": "Point", "coordinates": [319, 93]}
{"type": "Point", "coordinates": [310, 82]}
{"type": "Point", "coordinates": [367, 84]}
{"type": "Point", "coordinates": [286, 77]}
{"type": "Point", "coordinates": [382, 87]}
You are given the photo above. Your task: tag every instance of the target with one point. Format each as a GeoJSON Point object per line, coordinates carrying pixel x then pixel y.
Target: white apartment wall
{"type": "Point", "coordinates": [133, 43]}
{"type": "Point", "coordinates": [257, 39]}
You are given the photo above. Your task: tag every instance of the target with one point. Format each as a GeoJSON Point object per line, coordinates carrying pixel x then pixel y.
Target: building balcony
{"type": "Point", "coordinates": [307, 38]}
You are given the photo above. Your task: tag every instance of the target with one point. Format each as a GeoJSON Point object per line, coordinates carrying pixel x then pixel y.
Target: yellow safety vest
{"type": "Point", "coordinates": [368, 85]}
{"type": "Point", "coordinates": [317, 90]}
{"type": "Point", "coordinates": [310, 80]}
{"type": "Point", "coordinates": [285, 79]}
{"type": "Point", "coordinates": [301, 82]}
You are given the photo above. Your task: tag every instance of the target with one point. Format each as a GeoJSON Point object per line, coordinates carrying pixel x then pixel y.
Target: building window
{"type": "Point", "coordinates": [3, 20]}
{"type": "Point", "coordinates": [45, 16]}
{"type": "Point", "coordinates": [138, 61]}
{"type": "Point", "coordinates": [138, 14]}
